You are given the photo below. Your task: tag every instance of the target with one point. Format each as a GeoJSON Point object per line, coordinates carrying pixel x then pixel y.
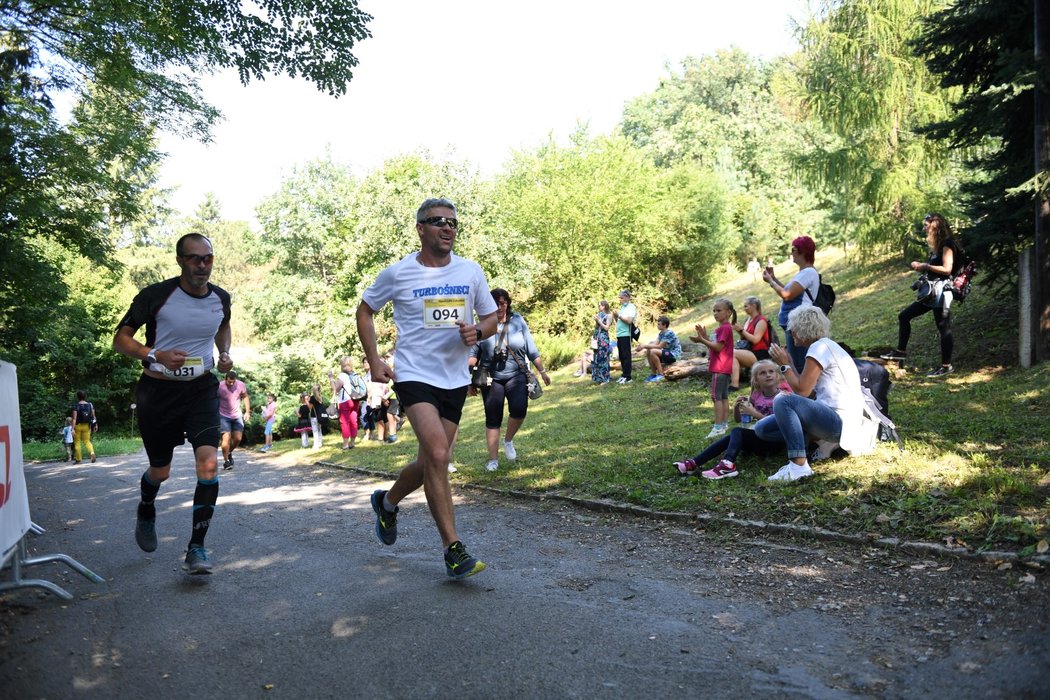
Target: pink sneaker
{"type": "Point", "coordinates": [722, 470]}
{"type": "Point", "coordinates": [686, 468]}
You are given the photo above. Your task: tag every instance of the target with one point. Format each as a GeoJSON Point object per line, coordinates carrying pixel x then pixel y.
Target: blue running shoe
{"type": "Point", "coordinates": [386, 522]}
{"type": "Point", "coordinates": [459, 564]}
{"type": "Point", "coordinates": [196, 561]}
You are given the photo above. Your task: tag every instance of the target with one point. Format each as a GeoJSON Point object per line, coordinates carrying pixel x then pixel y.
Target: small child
{"type": "Point", "coordinates": [269, 416]}
{"type": "Point", "coordinates": [67, 437]}
{"type": "Point", "coordinates": [304, 427]}
{"type": "Point", "coordinates": [720, 361]}
{"type": "Point", "coordinates": [767, 383]}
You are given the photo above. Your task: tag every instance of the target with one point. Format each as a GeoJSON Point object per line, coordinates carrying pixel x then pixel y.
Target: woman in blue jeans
{"type": "Point", "coordinates": [830, 374]}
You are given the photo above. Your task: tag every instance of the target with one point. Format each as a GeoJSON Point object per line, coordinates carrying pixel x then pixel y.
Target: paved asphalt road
{"type": "Point", "coordinates": [306, 603]}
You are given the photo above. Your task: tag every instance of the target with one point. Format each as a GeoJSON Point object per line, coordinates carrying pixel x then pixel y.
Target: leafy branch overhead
{"type": "Point", "coordinates": [150, 51]}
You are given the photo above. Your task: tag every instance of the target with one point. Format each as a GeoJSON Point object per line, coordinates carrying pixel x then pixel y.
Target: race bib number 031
{"type": "Point", "coordinates": [444, 312]}
{"type": "Point", "coordinates": [191, 369]}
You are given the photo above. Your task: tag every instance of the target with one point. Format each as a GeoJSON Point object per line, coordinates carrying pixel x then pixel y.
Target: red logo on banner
{"type": "Point", "coordinates": [5, 487]}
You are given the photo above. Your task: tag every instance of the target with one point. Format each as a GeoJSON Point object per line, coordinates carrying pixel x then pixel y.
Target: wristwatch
{"type": "Point", "coordinates": [152, 356]}
{"type": "Point", "coordinates": [784, 368]}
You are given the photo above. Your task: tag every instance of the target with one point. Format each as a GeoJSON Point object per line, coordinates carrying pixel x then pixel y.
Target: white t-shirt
{"type": "Point", "coordinates": [427, 303]}
{"type": "Point", "coordinates": [838, 386]}
{"type": "Point", "coordinates": [809, 279]}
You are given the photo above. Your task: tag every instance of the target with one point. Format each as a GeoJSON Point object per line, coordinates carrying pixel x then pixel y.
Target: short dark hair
{"type": "Point", "coordinates": [231, 374]}
{"type": "Point", "coordinates": [663, 320]}
{"type": "Point", "coordinates": [196, 236]}
{"type": "Point", "coordinates": [81, 395]}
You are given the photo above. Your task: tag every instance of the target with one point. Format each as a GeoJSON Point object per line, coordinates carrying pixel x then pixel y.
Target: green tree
{"type": "Point", "coordinates": [983, 50]}
{"type": "Point", "coordinates": [860, 79]}
{"type": "Point", "coordinates": [129, 68]}
{"type": "Point", "coordinates": [730, 114]}
{"type": "Point", "coordinates": [598, 216]}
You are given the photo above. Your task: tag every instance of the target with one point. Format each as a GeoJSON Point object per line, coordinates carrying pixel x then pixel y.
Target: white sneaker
{"type": "Point", "coordinates": [492, 465]}
{"type": "Point", "coordinates": [792, 472]}
{"type": "Point", "coordinates": [508, 449]}
{"type": "Point", "coordinates": [717, 431]}
{"type": "Point", "coordinates": [452, 468]}
{"type": "Point", "coordinates": [621, 380]}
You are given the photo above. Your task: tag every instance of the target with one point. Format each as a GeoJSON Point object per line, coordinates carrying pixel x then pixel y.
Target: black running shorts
{"type": "Point", "coordinates": [170, 412]}
{"type": "Point", "coordinates": [449, 402]}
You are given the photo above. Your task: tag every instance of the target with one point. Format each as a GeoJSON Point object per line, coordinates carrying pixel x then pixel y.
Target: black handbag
{"type": "Point", "coordinates": [480, 377]}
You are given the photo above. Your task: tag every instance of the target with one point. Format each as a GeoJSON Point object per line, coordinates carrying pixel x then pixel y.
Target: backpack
{"type": "Point", "coordinates": [825, 300]}
{"type": "Point", "coordinates": [962, 283]}
{"type": "Point", "coordinates": [83, 412]}
{"type": "Point", "coordinates": [358, 390]}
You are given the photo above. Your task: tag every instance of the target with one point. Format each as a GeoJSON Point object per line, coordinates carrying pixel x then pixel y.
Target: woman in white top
{"type": "Point", "coordinates": [836, 414]}
{"type": "Point", "coordinates": [799, 292]}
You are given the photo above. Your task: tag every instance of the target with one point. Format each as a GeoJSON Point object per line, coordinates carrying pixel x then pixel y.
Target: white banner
{"type": "Point", "coordinates": [14, 501]}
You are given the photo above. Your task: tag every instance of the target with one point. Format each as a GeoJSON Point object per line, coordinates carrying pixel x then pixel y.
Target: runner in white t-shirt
{"type": "Point", "coordinates": [436, 296]}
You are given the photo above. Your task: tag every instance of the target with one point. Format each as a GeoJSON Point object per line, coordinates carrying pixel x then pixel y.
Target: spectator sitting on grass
{"type": "Point", "coordinates": [767, 383]}
{"type": "Point", "coordinates": [665, 350]}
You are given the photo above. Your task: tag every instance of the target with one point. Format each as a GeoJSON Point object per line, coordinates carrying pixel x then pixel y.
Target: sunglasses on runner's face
{"type": "Point", "coordinates": [440, 221]}
{"type": "Point", "coordinates": [199, 259]}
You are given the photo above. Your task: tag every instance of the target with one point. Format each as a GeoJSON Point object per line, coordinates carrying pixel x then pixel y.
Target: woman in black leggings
{"type": "Point", "coordinates": [939, 267]}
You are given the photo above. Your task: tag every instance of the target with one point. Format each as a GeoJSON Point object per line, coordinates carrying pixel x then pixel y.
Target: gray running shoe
{"type": "Point", "coordinates": [146, 534]}
{"type": "Point", "coordinates": [196, 561]}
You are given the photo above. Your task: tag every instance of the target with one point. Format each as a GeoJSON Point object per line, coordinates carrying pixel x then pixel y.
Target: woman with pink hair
{"type": "Point", "coordinates": [800, 291]}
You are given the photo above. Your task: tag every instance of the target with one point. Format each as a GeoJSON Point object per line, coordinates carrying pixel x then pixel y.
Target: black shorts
{"type": "Point", "coordinates": [449, 402]}
{"type": "Point", "coordinates": [170, 412]}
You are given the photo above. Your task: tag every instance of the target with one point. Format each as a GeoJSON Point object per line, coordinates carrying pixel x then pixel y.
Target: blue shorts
{"type": "Point", "coordinates": [230, 425]}
{"type": "Point", "coordinates": [268, 430]}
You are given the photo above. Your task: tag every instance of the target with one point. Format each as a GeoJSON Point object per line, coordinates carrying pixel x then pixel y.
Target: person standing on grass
{"type": "Point", "coordinates": [800, 291]}
{"type": "Point", "coordinates": [719, 361]}
{"type": "Point", "coordinates": [186, 317]}
{"type": "Point", "coordinates": [943, 262]}
{"type": "Point", "coordinates": [436, 296]}
{"type": "Point", "coordinates": [625, 317]}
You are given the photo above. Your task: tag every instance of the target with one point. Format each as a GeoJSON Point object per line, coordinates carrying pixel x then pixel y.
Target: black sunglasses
{"type": "Point", "coordinates": [439, 221]}
{"type": "Point", "coordinates": [198, 259]}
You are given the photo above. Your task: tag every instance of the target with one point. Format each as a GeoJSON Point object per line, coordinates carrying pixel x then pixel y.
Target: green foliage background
{"type": "Point", "coordinates": [874, 122]}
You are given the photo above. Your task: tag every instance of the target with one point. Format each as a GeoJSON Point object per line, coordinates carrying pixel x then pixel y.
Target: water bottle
{"type": "Point", "coordinates": [745, 420]}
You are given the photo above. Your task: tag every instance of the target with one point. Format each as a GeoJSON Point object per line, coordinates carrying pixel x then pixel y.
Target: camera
{"type": "Point", "coordinates": [499, 360]}
{"type": "Point", "coordinates": [918, 283]}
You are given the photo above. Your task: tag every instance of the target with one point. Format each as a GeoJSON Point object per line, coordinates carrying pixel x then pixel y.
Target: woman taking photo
{"type": "Point", "coordinates": [754, 332]}
{"type": "Point", "coordinates": [507, 355]}
{"type": "Point", "coordinates": [800, 291]}
{"type": "Point", "coordinates": [837, 412]}
{"type": "Point", "coordinates": [939, 267]}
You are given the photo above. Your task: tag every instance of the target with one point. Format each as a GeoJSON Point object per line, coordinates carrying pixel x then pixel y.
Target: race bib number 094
{"type": "Point", "coordinates": [444, 312]}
